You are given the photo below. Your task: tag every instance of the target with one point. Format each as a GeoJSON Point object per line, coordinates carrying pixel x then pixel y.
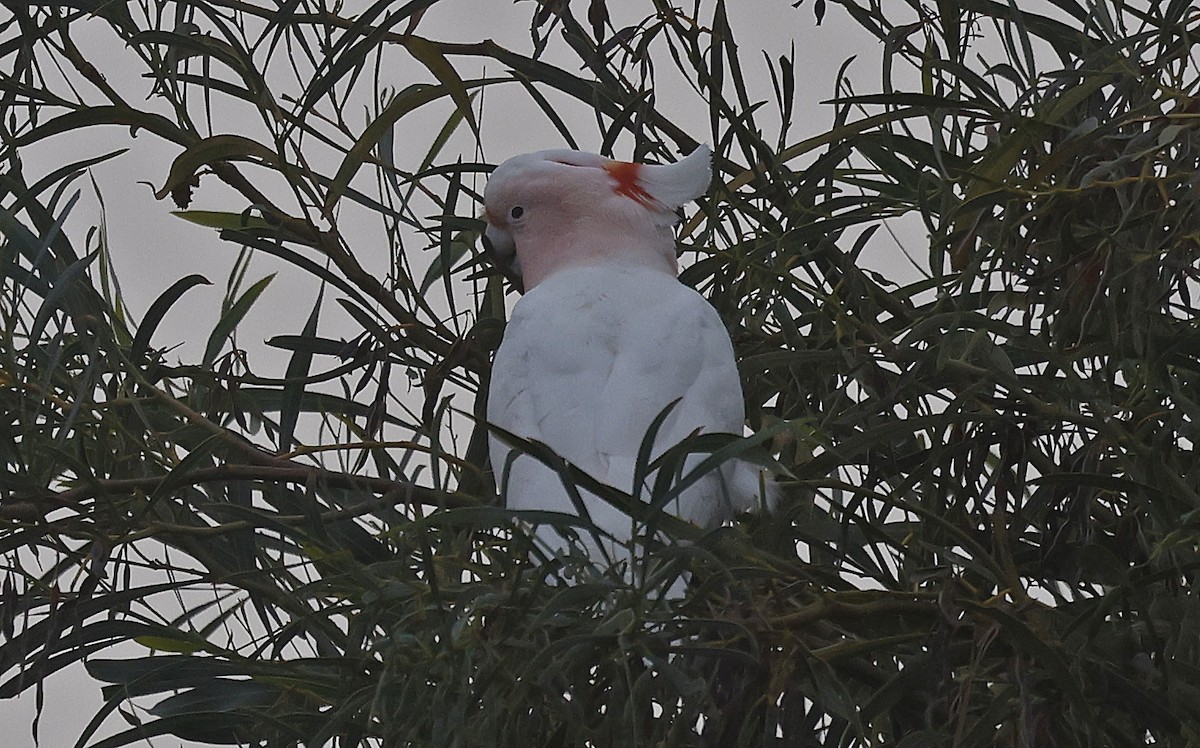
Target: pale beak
{"type": "Point", "coordinates": [498, 245]}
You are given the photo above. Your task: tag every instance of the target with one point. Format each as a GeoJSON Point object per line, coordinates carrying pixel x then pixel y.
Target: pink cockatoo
{"type": "Point", "coordinates": [606, 337]}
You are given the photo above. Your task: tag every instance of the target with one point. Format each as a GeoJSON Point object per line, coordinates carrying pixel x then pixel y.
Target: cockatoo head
{"type": "Point", "coordinates": [552, 210]}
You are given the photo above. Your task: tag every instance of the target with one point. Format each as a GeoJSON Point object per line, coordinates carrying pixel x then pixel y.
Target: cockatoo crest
{"type": "Point", "coordinates": [554, 209]}
{"type": "Point", "coordinates": [663, 187]}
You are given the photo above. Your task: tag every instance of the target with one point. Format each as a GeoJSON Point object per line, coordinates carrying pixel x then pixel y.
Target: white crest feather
{"type": "Point", "coordinates": [673, 185]}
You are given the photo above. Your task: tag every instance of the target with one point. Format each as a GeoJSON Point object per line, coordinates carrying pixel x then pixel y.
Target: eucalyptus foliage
{"type": "Point", "coordinates": [992, 514]}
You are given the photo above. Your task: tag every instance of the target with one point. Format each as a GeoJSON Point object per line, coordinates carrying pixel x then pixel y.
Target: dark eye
{"type": "Point", "coordinates": [516, 212]}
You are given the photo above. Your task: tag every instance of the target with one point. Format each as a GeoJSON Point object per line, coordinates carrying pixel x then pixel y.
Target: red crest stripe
{"type": "Point", "coordinates": [628, 184]}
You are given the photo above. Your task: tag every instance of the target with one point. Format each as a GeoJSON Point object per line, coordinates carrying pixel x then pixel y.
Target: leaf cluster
{"type": "Point", "coordinates": [990, 530]}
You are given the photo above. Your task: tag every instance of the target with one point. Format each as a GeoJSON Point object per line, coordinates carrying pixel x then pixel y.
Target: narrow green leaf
{"type": "Point", "coordinates": [412, 97]}
{"type": "Point", "coordinates": [432, 58]}
{"type": "Point", "coordinates": [297, 370]}
{"type": "Point", "coordinates": [219, 219]}
{"type": "Point", "coordinates": [106, 115]}
{"type": "Point", "coordinates": [211, 150]}
{"type": "Point", "coordinates": [232, 318]}
{"type": "Point", "coordinates": [64, 285]}
{"type": "Point", "coordinates": [168, 644]}
{"type": "Point", "coordinates": [158, 309]}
